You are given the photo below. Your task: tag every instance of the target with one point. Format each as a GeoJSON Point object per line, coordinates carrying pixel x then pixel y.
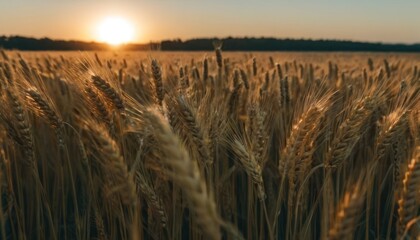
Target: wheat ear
{"type": "Point", "coordinates": [113, 163]}
{"type": "Point", "coordinates": [347, 215]}
{"type": "Point", "coordinates": [109, 92]}
{"type": "Point", "coordinates": [158, 82]}
{"type": "Point", "coordinates": [186, 175]}
{"type": "Point", "coordinates": [251, 166]}
{"type": "Point", "coordinates": [23, 126]}
{"type": "Point", "coordinates": [47, 111]}
{"type": "Point", "coordinates": [407, 205]}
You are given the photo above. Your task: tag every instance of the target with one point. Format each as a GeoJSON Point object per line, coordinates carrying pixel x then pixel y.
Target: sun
{"type": "Point", "coordinates": [115, 31]}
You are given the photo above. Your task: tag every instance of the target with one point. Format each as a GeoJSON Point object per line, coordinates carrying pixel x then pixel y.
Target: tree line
{"type": "Point", "coordinates": [207, 44]}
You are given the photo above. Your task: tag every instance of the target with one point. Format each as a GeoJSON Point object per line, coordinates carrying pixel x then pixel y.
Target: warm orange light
{"type": "Point", "coordinates": [115, 31]}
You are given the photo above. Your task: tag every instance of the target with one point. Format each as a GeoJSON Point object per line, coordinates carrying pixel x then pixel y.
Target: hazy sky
{"type": "Point", "coordinates": [365, 20]}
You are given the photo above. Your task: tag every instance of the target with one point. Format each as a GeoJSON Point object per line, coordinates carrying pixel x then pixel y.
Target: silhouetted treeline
{"type": "Point", "coordinates": [273, 44]}
{"type": "Point", "coordinates": [25, 43]}
{"type": "Point", "coordinates": [206, 44]}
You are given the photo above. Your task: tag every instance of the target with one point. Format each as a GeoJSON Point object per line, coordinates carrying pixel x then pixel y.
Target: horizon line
{"type": "Point", "coordinates": [214, 37]}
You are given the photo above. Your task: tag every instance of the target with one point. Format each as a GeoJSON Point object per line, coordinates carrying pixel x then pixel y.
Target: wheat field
{"type": "Point", "coordinates": [209, 145]}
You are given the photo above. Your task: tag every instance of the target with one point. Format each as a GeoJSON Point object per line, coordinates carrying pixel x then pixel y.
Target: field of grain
{"type": "Point", "coordinates": [209, 145]}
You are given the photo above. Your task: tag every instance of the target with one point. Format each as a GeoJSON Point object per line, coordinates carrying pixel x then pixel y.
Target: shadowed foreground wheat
{"type": "Point", "coordinates": [229, 146]}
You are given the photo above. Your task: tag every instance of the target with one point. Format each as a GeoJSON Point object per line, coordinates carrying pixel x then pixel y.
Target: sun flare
{"type": "Point", "coordinates": [115, 31]}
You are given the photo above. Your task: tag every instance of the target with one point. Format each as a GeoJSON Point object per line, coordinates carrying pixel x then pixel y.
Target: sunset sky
{"type": "Point", "coordinates": [364, 20]}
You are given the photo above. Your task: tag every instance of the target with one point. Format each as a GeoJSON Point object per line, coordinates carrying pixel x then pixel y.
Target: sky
{"type": "Point", "coordinates": [153, 20]}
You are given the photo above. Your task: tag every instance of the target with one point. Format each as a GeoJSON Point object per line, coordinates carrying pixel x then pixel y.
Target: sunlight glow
{"type": "Point", "coordinates": [115, 31]}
